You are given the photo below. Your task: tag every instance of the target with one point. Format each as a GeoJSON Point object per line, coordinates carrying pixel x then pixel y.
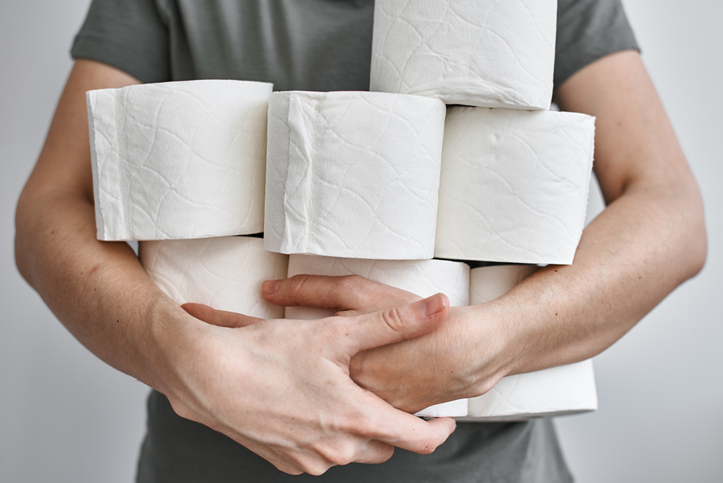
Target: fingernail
{"type": "Point", "coordinates": [270, 286]}
{"type": "Point", "coordinates": [434, 304]}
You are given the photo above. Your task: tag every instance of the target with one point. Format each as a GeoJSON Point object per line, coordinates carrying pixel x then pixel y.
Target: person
{"type": "Point", "coordinates": [236, 397]}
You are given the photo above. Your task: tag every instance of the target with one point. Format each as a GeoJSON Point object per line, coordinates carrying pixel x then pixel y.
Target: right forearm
{"type": "Point", "coordinates": [104, 297]}
{"type": "Point", "coordinates": [98, 290]}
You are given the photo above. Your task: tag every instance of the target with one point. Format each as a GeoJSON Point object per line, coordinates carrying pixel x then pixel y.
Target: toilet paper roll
{"type": "Point", "coordinates": [482, 53]}
{"type": "Point", "coordinates": [179, 160]}
{"type": "Point", "coordinates": [421, 277]}
{"type": "Point", "coordinates": [514, 185]}
{"type": "Point", "coordinates": [556, 391]}
{"type": "Point", "coordinates": [489, 283]}
{"type": "Point", "coordinates": [224, 273]}
{"type": "Point", "coordinates": [353, 174]}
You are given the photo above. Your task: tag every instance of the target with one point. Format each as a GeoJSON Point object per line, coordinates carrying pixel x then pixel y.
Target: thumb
{"type": "Point", "coordinates": [220, 318]}
{"type": "Point", "coordinates": [393, 325]}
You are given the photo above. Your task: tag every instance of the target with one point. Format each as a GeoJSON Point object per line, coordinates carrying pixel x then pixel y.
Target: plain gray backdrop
{"type": "Point", "coordinates": [67, 417]}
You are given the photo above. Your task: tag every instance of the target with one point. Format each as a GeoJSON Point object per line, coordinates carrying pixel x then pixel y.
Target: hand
{"type": "Point", "coordinates": [463, 357]}
{"type": "Point", "coordinates": [282, 388]}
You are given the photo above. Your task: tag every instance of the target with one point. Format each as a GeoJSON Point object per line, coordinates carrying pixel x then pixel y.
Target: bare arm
{"type": "Point", "coordinates": [83, 281]}
{"type": "Point", "coordinates": [103, 296]}
{"type": "Point", "coordinates": [649, 239]}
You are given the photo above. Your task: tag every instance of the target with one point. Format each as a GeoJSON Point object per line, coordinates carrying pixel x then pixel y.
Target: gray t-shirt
{"type": "Point", "coordinates": [320, 45]}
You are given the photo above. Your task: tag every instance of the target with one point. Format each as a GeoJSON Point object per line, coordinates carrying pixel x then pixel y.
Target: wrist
{"type": "Point", "coordinates": [170, 339]}
{"type": "Point", "coordinates": [497, 344]}
{"type": "Point", "coordinates": [530, 327]}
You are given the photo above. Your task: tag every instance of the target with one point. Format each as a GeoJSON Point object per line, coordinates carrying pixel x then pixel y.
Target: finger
{"type": "Point", "coordinates": [425, 441]}
{"type": "Point", "coordinates": [375, 452]}
{"type": "Point", "coordinates": [392, 325]}
{"type": "Point", "coordinates": [351, 292]}
{"type": "Point", "coordinates": [411, 433]}
{"type": "Point", "coordinates": [220, 318]}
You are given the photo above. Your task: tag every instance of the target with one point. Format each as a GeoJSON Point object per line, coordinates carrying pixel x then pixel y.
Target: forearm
{"type": "Point", "coordinates": [97, 289]}
{"type": "Point", "coordinates": [632, 256]}
{"type": "Point", "coordinates": [649, 239]}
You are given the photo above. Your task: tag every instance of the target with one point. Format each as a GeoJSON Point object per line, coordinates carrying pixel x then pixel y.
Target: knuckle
{"type": "Point", "coordinates": [290, 469]}
{"type": "Point", "coordinates": [430, 444]}
{"type": "Point", "coordinates": [314, 468]}
{"type": "Point", "coordinates": [342, 455]}
{"type": "Point", "coordinates": [355, 426]}
{"type": "Point", "coordinates": [384, 454]}
{"type": "Point", "coordinates": [350, 289]}
{"type": "Point", "coordinates": [351, 282]}
{"type": "Point", "coordinates": [393, 319]}
{"type": "Point", "coordinates": [296, 284]}
{"type": "Point", "coordinates": [367, 424]}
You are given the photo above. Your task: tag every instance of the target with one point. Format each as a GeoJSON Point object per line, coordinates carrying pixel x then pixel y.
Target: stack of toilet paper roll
{"type": "Point", "coordinates": [391, 184]}
{"type": "Point", "coordinates": [515, 176]}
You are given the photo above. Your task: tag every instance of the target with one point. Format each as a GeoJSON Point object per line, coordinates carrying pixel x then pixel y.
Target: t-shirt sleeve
{"type": "Point", "coordinates": [130, 35]}
{"type": "Point", "coordinates": [588, 30]}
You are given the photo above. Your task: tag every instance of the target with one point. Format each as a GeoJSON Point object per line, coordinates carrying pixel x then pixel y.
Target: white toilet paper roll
{"type": "Point", "coordinates": [421, 277]}
{"type": "Point", "coordinates": [353, 174]}
{"type": "Point", "coordinates": [179, 160]}
{"type": "Point", "coordinates": [474, 53]}
{"type": "Point", "coordinates": [489, 283]}
{"type": "Point", "coordinates": [557, 391]}
{"type": "Point", "coordinates": [514, 185]}
{"type": "Point", "coordinates": [224, 273]}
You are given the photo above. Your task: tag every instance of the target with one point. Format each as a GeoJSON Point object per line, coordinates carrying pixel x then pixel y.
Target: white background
{"type": "Point", "coordinates": [67, 417]}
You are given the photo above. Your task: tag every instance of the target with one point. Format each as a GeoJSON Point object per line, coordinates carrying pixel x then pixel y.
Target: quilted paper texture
{"type": "Point", "coordinates": [353, 174]}
{"type": "Point", "coordinates": [224, 273]}
{"type": "Point", "coordinates": [488, 53]}
{"type": "Point", "coordinates": [421, 277]}
{"type": "Point", "coordinates": [556, 391]}
{"type": "Point", "coordinates": [514, 185]}
{"type": "Point", "coordinates": [179, 160]}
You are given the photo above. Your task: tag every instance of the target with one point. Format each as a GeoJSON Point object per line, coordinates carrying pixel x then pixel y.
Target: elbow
{"type": "Point", "coordinates": [698, 248]}
{"type": "Point", "coordinates": [20, 262]}
{"type": "Point", "coordinates": [30, 213]}
{"type": "Point", "coordinates": [22, 258]}
{"type": "Point", "coordinates": [696, 240]}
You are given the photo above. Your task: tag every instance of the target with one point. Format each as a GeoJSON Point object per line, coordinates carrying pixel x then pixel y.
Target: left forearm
{"type": "Point", "coordinates": [650, 238]}
{"type": "Point", "coordinates": [635, 253]}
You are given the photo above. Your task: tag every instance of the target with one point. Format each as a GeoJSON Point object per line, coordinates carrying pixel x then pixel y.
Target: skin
{"type": "Point", "coordinates": [311, 418]}
{"type": "Point", "coordinates": [649, 239]}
